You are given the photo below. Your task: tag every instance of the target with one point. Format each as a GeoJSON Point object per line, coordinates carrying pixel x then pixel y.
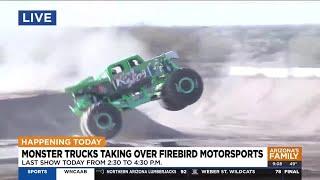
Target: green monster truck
{"type": "Point", "coordinates": [129, 83]}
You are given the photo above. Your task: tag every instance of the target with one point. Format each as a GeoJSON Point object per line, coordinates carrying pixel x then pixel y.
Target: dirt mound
{"type": "Point", "coordinates": [48, 114]}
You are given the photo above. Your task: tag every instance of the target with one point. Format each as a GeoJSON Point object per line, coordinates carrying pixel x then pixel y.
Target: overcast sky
{"type": "Point", "coordinates": [220, 13]}
{"type": "Point", "coordinates": [166, 13]}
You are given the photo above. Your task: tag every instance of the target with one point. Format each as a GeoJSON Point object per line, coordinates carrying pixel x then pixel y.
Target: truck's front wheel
{"type": "Point", "coordinates": [101, 119]}
{"type": "Point", "coordinates": [183, 87]}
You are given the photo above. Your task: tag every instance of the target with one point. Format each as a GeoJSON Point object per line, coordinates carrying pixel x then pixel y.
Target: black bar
{"type": "Point", "coordinates": [198, 173]}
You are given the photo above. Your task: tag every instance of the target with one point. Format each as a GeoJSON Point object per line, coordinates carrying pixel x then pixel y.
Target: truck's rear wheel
{"type": "Point", "coordinates": [183, 87]}
{"type": "Point", "coordinates": [101, 120]}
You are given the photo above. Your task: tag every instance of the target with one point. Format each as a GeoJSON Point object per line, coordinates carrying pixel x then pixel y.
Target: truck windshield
{"type": "Point", "coordinates": [117, 69]}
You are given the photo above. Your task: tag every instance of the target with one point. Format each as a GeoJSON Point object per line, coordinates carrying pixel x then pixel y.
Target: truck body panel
{"type": "Point", "coordinates": [125, 84]}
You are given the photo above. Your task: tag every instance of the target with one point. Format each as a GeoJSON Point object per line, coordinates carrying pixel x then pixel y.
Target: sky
{"type": "Point", "coordinates": [165, 13]}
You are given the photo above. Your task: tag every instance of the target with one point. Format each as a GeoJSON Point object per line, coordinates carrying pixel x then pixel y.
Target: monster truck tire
{"type": "Point", "coordinates": [183, 87]}
{"type": "Point", "coordinates": [171, 106]}
{"type": "Point", "coordinates": [101, 119]}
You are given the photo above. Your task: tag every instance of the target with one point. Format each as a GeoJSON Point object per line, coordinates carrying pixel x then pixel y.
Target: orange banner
{"type": "Point", "coordinates": [284, 153]}
{"type": "Point", "coordinates": [61, 141]}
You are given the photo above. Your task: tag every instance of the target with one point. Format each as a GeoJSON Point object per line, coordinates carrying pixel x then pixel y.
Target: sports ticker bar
{"type": "Point", "coordinates": [199, 173]}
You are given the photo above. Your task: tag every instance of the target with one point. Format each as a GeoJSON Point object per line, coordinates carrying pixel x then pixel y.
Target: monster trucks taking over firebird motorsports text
{"type": "Point", "coordinates": [129, 83]}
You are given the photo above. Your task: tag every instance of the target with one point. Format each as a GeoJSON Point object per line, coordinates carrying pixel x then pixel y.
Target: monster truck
{"type": "Point", "coordinates": [99, 101]}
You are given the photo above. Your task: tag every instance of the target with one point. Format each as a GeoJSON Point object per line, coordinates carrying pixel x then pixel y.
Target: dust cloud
{"type": "Point", "coordinates": [41, 59]}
